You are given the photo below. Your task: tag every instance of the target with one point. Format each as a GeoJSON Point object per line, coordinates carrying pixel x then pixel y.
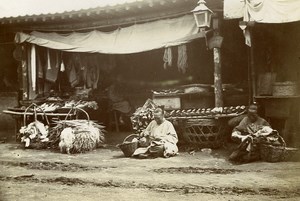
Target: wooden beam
{"type": "Point", "coordinates": [218, 78]}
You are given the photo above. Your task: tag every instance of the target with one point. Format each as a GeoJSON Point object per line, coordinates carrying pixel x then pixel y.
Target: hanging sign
{"type": "Point", "coordinates": [215, 41]}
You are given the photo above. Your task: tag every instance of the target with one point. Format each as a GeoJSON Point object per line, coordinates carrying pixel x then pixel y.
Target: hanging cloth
{"type": "Point", "coordinates": [57, 56]}
{"type": "Point", "coordinates": [62, 66]}
{"type": "Point", "coordinates": [48, 60]}
{"type": "Point", "coordinates": [96, 78]}
{"type": "Point", "coordinates": [182, 58]}
{"type": "Point", "coordinates": [33, 67]}
{"type": "Point", "coordinates": [167, 57]}
{"type": "Point", "coordinates": [40, 66]}
{"type": "Point", "coordinates": [73, 76]}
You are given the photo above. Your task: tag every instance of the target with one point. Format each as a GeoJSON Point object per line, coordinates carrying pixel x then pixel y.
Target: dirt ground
{"type": "Point", "coordinates": [105, 174]}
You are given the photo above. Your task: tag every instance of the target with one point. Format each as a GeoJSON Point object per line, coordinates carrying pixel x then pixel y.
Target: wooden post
{"type": "Point", "coordinates": [218, 78]}
{"type": "Point", "coordinates": [250, 93]}
{"type": "Point", "coordinates": [25, 63]}
{"type": "Point", "coordinates": [215, 44]}
{"type": "Point", "coordinates": [253, 74]}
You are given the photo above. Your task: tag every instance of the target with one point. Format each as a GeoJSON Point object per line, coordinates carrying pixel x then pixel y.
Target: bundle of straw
{"type": "Point", "coordinates": [88, 134]}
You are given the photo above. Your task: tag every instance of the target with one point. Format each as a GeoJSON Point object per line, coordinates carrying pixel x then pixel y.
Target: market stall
{"type": "Point", "coordinates": [274, 55]}
{"type": "Point", "coordinates": [85, 66]}
{"type": "Point", "coordinates": [196, 127]}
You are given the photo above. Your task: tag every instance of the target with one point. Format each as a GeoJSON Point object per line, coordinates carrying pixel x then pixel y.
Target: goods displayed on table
{"type": "Point", "coordinates": [48, 106]}
{"type": "Point", "coordinates": [184, 89]}
{"type": "Point", "coordinates": [142, 116]}
{"type": "Point", "coordinates": [51, 106]}
{"type": "Point", "coordinates": [206, 112]}
{"type": "Point", "coordinates": [167, 92]}
{"type": "Point", "coordinates": [71, 136]}
{"type": "Point", "coordinates": [81, 104]}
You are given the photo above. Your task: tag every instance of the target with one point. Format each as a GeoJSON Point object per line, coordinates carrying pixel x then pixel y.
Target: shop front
{"type": "Point", "coordinates": [274, 60]}
{"type": "Point", "coordinates": [111, 75]}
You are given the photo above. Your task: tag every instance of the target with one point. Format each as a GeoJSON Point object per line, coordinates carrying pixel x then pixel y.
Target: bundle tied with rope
{"type": "Point", "coordinates": [34, 134]}
{"type": "Point", "coordinates": [77, 136]}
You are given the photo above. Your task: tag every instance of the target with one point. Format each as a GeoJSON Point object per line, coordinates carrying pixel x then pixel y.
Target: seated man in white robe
{"type": "Point", "coordinates": [160, 136]}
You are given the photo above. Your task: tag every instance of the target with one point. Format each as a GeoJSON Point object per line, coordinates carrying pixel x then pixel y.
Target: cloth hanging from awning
{"type": "Point", "coordinates": [263, 11]}
{"type": "Point", "coordinates": [132, 39]}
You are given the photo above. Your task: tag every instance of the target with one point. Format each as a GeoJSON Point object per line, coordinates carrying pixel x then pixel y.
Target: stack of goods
{"type": "Point", "coordinates": [143, 116]}
{"type": "Point", "coordinates": [81, 104]}
{"type": "Point", "coordinates": [77, 136]}
{"type": "Point", "coordinates": [167, 92]}
{"type": "Point", "coordinates": [34, 134]}
{"type": "Point", "coordinates": [51, 106]}
{"type": "Point", "coordinates": [206, 112]}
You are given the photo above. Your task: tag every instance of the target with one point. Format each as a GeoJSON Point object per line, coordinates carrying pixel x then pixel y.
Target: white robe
{"type": "Point", "coordinates": [161, 134]}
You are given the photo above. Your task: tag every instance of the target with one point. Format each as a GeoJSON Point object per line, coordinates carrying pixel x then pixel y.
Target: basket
{"type": "Point", "coordinates": [290, 153]}
{"type": "Point", "coordinates": [128, 147]}
{"type": "Point", "coordinates": [202, 133]}
{"type": "Point", "coordinates": [35, 109]}
{"type": "Point", "coordinates": [34, 143]}
{"type": "Point", "coordinates": [284, 89]}
{"type": "Point", "coordinates": [271, 153]}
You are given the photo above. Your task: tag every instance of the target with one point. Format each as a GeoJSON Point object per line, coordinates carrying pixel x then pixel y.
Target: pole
{"type": "Point", "coordinates": [215, 44]}
{"type": "Point", "coordinates": [252, 65]}
{"type": "Point", "coordinates": [250, 93]}
{"type": "Point", "coordinates": [253, 74]}
{"type": "Point", "coordinates": [218, 78]}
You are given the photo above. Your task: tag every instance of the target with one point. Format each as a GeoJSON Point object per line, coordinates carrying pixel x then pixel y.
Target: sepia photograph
{"type": "Point", "coordinates": [149, 100]}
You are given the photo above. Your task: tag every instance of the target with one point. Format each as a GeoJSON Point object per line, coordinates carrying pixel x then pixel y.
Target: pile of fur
{"type": "Point", "coordinates": [77, 136]}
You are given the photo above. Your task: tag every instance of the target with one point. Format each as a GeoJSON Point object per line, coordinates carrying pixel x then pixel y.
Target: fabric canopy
{"type": "Point", "coordinates": [132, 39]}
{"type": "Point", "coordinates": [264, 11]}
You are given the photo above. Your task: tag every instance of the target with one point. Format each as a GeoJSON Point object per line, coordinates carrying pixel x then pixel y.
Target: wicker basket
{"type": "Point", "coordinates": [285, 89]}
{"type": "Point", "coordinates": [128, 147]}
{"type": "Point", "coordinates": [34, 143]}
{"type": "Point", "coordinates": [290, 152]}
{"type": "Point", "coordinates": [202, 133]}
{"type": "Point", "coordinates": [271, 153]}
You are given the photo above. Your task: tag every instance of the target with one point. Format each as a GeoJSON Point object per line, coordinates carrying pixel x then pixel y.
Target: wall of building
{"type": "Point", "coordinates": [7, 123]}
{"type": "Point", "coordinates": [277, 49]}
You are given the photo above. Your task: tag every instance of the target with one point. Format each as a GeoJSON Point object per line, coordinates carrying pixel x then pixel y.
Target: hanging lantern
{"type": "Point", "coordinates": [202, 15]}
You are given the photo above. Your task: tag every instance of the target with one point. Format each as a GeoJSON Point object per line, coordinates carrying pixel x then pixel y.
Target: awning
{"type": "Point", "coordinates": [132, 39]}
{"type": "Point", "coordinates": [263, 11]}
